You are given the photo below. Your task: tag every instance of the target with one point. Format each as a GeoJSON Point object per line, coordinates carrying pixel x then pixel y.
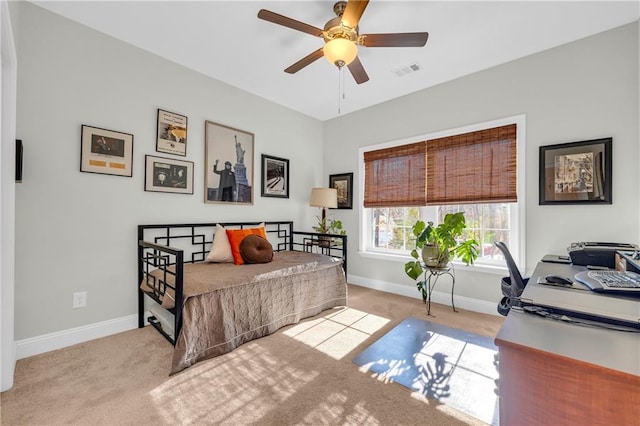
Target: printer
{"type": "Point", "coordinates": [597, 254]}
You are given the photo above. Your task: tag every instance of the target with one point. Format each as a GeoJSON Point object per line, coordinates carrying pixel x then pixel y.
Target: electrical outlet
{"type": "Point", "coordinates": [80, 300]}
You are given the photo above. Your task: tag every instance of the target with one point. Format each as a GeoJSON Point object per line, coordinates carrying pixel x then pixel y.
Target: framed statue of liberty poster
{"type": "Point", "coordinates": [228, 175]}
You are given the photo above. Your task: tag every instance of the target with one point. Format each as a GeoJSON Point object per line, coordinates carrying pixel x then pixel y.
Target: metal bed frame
{"type": "Point", "coordinates": [164, 246]}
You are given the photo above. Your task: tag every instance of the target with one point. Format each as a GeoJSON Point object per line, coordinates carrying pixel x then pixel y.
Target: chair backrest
{"type": "Point", "coordinates": [517, 282]}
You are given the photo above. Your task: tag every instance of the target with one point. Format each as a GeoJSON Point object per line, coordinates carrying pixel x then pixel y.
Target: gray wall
{"type": "Point", "coordinates": [77, 231]}
{"type": "Point", "coordinates": [584, 90]}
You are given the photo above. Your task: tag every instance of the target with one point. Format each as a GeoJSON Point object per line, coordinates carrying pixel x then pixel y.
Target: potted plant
{"type": "Point", "coordinates": [328, 226]}
{"type": "Point", "coordinates": [437, 244]}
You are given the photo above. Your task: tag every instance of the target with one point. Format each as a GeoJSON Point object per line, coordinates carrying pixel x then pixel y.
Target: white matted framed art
{"type": "Point", "coordinates": [343, 183]}
{"type": "Point", "coordinates": [168, 175]}
{"type": "Point", "coordinates": [228, 175]}
{"type": "Point", "coordinates": [576, 172]}
{"type": "Point", "coordinates": [106, 151]}
{"type": "Point", "coordinates": [172, 133]}
{"type": "Point", "coordinates": [275, 177]}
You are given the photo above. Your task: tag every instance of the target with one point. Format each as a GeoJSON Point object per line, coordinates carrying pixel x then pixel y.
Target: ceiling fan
{"type": "Point", "coordinates": [342, 38]}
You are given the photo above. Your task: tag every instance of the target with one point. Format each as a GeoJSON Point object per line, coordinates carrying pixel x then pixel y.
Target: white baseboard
{"type": "Point", "coordinates": [481, 306]}
{"type": "Point", "coordinates": [61, 339]}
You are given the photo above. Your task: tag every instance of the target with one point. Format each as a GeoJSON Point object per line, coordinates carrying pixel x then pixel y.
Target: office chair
{"type": "Point", "coordinates": [513, 285]}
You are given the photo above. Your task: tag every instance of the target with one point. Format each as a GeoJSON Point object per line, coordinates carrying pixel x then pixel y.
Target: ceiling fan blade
{"type": "Point", "coordinates": [394, 40]}
{"type": "Point", "coordinates": [267, 15]}
{"type": "Point", "coordinates": [353, 12]}
{"type": "Point", "coordinates": [357, 71]}
{"type": "Point", "coordinates": [307, 60]}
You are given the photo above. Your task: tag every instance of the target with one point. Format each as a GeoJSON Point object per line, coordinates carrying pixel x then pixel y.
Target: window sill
{"type": "Point", "coordinates": [489, 269]}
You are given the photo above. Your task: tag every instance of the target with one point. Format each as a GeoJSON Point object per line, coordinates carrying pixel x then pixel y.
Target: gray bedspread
{"type": "Point", "coordinates": [227, 305]}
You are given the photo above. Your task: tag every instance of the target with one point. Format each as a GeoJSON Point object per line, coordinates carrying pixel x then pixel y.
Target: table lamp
{"type": "Point", "coordinates": [325, 198]}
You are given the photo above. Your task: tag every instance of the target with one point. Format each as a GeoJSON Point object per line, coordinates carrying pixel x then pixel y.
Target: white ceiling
{"type": "Point", "coordinates": [226, 40]}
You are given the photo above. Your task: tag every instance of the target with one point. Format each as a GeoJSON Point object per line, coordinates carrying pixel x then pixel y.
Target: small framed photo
{"type": "Point", "coordinates": [275, 177]}
{"type": "Point", "coordinates": [576, 172]}
{"type": "Point", "coordinates": [168, 175]}
{"type": "Point", "coordinates": [343, 183]}
{"type": "Point", "coordinates": [106, 151]}
{"type": "Point", "coordinates": [228, 174]}
{"type": "Point", "coordinates": [171, 133]}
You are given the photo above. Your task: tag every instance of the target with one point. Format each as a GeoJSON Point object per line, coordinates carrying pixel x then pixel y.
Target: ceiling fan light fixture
{"type": "Point", "coordinates": [342, 38]}
{"type": "Point", "coordinates": [340, 51]}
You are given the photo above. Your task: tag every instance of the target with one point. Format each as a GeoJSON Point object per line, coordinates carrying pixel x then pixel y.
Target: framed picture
{"type": "Point", "coordinates": [275, 177]}
{"type": "Point", "coordinates": [172, 133]}
{"type": "Point", "coordinates": [106, 151]}
{"type": "Point", "coordinates": [344, 184]}
{"type": "Point", "coordinates": [168, 175]}
{"type": "Point", "coordinates": [576, 172]}
{"type": "Point", "coordinates": [228, 175]}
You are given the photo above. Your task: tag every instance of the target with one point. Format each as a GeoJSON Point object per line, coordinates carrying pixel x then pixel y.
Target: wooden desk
{"type": "Point", "coordinates": [555, 373]}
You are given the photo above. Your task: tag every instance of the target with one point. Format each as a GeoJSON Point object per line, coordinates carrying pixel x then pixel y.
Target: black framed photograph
{"type": "Point", "coordinates": [343, 183]}
{"type": "Point", "coordinates": [228, 174]}
{"type": "Point", "coordinates": [106, 151]}
{"type": "Point", "coordinates": [275, 176]}
{"type": "Point", "coordinates": [576, 172]}
{"type": "Point", "coordinates": [171, 133]}
{"type": "Point", "coordinates": [168, 175]}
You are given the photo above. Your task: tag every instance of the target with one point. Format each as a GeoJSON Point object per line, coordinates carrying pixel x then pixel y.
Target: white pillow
{"type": "Point", "coordinates": [220, 248]}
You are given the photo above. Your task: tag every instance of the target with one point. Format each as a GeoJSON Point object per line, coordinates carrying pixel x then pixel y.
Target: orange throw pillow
{"type": "Point", "coordinates": [235, 238]}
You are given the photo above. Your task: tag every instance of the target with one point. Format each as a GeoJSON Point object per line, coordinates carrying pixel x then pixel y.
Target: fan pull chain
{"type": "Point", "coordinates": [342, 79]}
{"type": "Point", "coordinates": [339, 82]}
{"type": "Point", "coordinates": [341, 92]}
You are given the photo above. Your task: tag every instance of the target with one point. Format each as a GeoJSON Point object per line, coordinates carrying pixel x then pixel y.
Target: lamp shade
{"type": "Point", "coordinates": [324, 197]}
{"type": "Point", "coordinates": [340, 51]}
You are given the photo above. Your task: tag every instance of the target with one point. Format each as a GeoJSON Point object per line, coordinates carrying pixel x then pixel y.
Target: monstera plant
{"type": "Point", "coordinates": [436, 245]}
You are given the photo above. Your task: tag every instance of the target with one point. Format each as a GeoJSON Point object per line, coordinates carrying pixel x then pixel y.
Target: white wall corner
{"type": "Point", "coordinates": [8, 90]}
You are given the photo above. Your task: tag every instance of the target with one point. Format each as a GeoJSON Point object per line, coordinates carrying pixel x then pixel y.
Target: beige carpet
{"type": "Point", "coordinates": [303, 374]}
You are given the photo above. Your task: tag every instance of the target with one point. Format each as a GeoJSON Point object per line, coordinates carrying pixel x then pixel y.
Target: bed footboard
{"type": "Point", "coordinates": [151, 257]}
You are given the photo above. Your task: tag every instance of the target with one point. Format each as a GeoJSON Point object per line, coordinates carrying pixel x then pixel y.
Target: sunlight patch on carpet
{"type": "Point", "coordinates": [336, 409]}
{"type": "Point", "coordinates": [248, 382]}
{"type": "Point", "coordinates": [452, 366]}
{"type": "Point", "coordinates": [337, 333]}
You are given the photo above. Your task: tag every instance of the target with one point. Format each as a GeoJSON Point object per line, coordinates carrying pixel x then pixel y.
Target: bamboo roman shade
{"type": "Point", "coordinates": [395, 176]}
{"type": "Point", "coordinates": [474, 167]}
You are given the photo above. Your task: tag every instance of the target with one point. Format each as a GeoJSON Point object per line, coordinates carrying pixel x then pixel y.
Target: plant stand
{"type": "Point", "coordinates": [431, 276]}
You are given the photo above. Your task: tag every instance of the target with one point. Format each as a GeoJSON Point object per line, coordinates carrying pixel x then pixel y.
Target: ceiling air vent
{"type": "Point", "coordinates": [400, 72]}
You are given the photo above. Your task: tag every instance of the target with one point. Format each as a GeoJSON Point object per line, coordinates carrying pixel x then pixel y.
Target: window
{"type": "Point", "coordinates": [489, 182]}
{"type": "Point", "coordinates": [390, 227]}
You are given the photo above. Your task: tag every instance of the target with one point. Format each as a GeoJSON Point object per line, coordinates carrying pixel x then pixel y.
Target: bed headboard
{"type": "Point", "coordinates": [195, 239]}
